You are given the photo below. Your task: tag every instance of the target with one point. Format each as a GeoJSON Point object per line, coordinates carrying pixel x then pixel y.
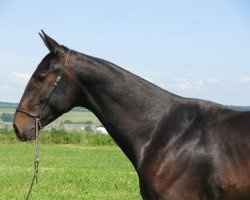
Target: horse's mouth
{"type": "Point", "coordinates": [24, 137]}
{"type": "Point", "coordinates": [31, 134]}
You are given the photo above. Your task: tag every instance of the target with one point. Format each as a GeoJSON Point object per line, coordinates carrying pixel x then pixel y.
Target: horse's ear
{"type": "Point", "coordinates": [52, 45]}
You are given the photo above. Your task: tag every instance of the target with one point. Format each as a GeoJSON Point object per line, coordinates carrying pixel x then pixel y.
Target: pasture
{"type": "Point", "coordinates": [83, 170]}
{"type": "Point", "coordinates": [78, 116]}
{"type": "Point", "coordinates": [67, 172]}
{"type": "Point", "coordinates": [75, 115]}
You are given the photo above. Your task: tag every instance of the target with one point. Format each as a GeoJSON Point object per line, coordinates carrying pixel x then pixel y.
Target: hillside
{"type": "Point", "coordinates": [76, 115]}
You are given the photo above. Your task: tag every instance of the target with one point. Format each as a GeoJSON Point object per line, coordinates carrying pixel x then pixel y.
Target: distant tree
{"type": "Point", "coordinates": [239, 108]}
{"type": "Point", "coordinates": [79, 122]}
{"type": "Point", "coordinates": [88, 122]}
{"type": "Point", "coordinates": [80, 109]}
{"type": "Point", "coordinates": [7, 117]}
{"type": "Point", "coordinates": [67, 121]}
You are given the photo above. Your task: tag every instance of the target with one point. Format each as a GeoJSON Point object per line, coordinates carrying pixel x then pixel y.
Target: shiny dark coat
{"type": "Point", "coordinates": [182, 149]}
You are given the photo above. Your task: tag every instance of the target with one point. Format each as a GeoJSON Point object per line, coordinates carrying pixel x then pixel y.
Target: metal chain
{"type": "Point", "coordinates": [36, 157]}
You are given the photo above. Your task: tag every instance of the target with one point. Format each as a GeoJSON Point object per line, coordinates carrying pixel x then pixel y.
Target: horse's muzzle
{"type": "Point", "coordinates": [29, 135]}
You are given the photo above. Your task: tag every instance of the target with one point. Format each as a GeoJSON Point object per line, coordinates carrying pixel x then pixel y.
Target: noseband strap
{"type": "Point", "coordinates": [29, 113]}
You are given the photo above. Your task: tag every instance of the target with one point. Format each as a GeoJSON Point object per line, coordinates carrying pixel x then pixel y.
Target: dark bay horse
{"type": "Point", "coordinates": [182, 149]}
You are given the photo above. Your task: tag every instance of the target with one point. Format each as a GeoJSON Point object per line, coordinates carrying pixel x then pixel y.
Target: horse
{"type": "Point", "coordinates": [181, 148]}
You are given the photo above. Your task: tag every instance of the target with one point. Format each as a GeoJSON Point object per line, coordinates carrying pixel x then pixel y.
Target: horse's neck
{"type": "Point", "coordinates": [128, 106]}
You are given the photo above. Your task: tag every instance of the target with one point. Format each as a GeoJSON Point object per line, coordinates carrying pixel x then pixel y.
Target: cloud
{"type": "Point", "coordinates": [198, 85]}
{"type": "Point", "coordinates": [212, 81]}
{"type": "Point", "coordinates": [178, 83]}
{"type": "Point", "coordinates": [12, 86]}
{"type": "Point", "coordinates": [245, 79]}
{"type": "Point", "coordinates": [182, 83]}
{"type": "Point", "coordinates": [20, 77]}
{"type": "Point", "coordinates": [185, 84]}
{"type": "Point", "coordinates": [5, 88]}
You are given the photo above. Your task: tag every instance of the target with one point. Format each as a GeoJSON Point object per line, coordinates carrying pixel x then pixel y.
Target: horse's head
{"type": "Point", "coordinates": [51, 91]}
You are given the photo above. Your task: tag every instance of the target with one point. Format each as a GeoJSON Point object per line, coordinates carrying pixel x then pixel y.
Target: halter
{"type": "Point", "coordinates": [38, 125]}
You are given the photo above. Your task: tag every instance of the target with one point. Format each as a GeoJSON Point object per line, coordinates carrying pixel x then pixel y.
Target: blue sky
{"type": "Point", "coordinates": [196, 49]}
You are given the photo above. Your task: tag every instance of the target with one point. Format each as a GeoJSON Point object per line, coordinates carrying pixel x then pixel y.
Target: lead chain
{"type": "Point", "coordinates": [36, 158]}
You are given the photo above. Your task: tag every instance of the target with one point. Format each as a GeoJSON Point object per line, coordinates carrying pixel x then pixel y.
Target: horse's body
{"type": "Point", "coordinates": [182, 149]}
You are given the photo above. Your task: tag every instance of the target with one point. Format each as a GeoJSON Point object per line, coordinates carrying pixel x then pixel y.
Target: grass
{"type": "Point", "coordinates": [95, 168]}
{"type": "Point", "coordinates": [67, 172]}
{"type": "Point", "coordinates": [61, 136]}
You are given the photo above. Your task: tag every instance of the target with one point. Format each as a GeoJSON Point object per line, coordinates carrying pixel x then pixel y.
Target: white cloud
{"type": "Point", "coordinates": [245, 79]}
{"type": "Point", "coordinates": [185, 84]}
{"type": "Point", "coordinates": [198, 85]}
{"type": "Point", "coordinates": [180, 79]}
{"type": "Point", "coordinates": [5, 88]}
{"type": "Point", "coordinates": [212, 81]}
{"type": "Point", "coordinates": [182, 83]}
{"type": "Point", "coordinates": [20, 77]}
{"type": "Point", "coordinates": [12, 86]}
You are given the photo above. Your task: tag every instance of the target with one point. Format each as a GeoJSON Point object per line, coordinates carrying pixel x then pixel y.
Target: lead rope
{"type": "Point", "coordinates": [36, 157]}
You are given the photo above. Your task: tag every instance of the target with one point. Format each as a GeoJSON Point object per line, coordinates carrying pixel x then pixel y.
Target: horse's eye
{"type": "Point", "coordinates": [41, 77]}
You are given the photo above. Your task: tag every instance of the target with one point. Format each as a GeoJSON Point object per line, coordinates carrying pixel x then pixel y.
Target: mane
{"type": "Point", "coordinates": [102, 62]}
{"type": "Point", "coordinates": [114, 67]}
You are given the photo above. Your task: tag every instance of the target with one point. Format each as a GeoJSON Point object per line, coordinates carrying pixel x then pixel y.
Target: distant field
{"type": "Point", "coordinates": [8, 110]}
{"type": "Point", "coordinates": [79, 116]}
{"type": "Point", "coordinates": [72, 115]}
{"type": "Point", "coordinates": [67, 172]}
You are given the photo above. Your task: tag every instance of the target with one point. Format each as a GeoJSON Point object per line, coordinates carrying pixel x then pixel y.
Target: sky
{"type": "Point", "coordinates": [197, 48]}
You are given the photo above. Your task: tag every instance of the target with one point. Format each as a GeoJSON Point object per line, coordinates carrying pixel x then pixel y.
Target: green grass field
{"type": "Point", "coordinates": [67, 172]}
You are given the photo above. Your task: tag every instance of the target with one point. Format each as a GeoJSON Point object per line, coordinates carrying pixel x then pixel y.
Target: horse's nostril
{"type": "Point", "coordinates": [15, 128]}
{"type": "Point", "coordinates": [18, 133]}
